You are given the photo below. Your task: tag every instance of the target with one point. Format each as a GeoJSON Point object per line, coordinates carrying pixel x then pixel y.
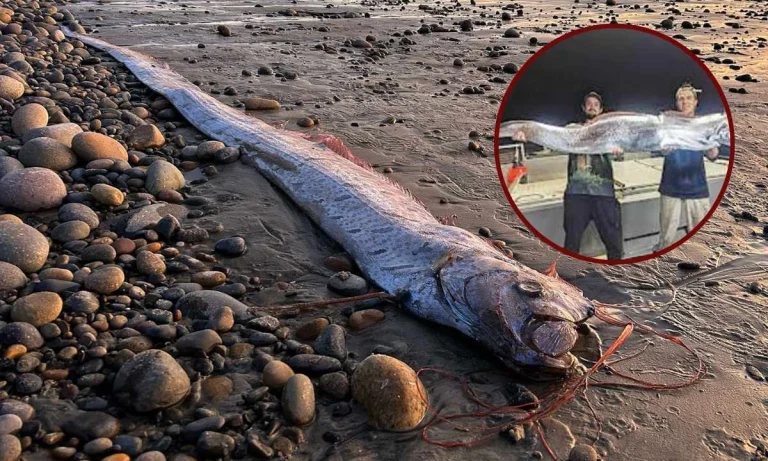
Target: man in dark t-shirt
{"type": "Point", "coordinates": [683, 185]}
{"type": "Point", "coordinates": [589, 194]}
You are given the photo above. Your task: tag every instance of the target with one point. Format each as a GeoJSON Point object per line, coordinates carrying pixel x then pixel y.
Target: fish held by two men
{"type": "Point", "coordinates": [631, 132]}
{"type": "Point", "coordinates": [444, 274]}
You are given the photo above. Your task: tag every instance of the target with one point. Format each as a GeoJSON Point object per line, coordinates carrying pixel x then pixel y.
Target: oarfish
{"type": "Point", "coordinates": [442, 273]}
{"type": "Point", "coordinates": [632, 132]}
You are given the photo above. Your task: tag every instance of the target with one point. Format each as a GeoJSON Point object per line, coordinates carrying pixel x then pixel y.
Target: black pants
{"type": "Point", "coordinates": [581, 209]}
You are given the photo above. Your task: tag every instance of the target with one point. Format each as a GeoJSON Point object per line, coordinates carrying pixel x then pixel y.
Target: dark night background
{"type": "Point", "coordinates": [633, 71]}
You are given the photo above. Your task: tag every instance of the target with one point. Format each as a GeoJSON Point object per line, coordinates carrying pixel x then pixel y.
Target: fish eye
{"type": "Point", "coordinates": [530, 288]}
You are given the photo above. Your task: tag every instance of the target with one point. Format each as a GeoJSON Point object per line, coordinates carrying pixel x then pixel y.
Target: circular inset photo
{"type": "Point", "coordinates": [614, 144]}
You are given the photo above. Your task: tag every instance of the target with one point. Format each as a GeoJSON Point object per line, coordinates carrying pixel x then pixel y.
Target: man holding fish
{"type": "Point", "coordinates": [589, 194]}
{"type": "Point", "coordinates": [683, 185]}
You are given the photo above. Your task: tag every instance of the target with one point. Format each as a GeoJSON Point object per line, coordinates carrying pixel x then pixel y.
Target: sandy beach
{"type": "Point", "coordinates": [401, 105]}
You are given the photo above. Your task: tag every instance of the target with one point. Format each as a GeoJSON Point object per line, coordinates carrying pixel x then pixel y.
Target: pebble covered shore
{"type": "Point", "coordinates": [120, 324]}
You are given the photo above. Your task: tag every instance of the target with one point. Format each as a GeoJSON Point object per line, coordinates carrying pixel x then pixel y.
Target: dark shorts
{"type": "Point", "coordinates": [580, 209]}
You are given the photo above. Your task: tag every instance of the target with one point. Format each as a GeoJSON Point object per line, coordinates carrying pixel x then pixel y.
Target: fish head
{"type": "Point", "coordinates": [528, 319]}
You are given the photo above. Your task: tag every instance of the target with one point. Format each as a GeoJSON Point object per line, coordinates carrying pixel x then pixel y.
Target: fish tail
{"type": "Point", "coordinates": [508, 129]}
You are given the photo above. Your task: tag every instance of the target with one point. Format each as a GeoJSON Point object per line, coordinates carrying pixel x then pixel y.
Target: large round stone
{"type": "Point", "coordinates": [298, 400]}
{"type": "Point", "coordinates": [105, 280]}
{"type": "Point", "coordinates": [261, 104]}
{"type": "Point", "coordinates": [144, 137]}
{"type": "Point", "coordinates": [232, 246]}
{"type": "Point", "coordinates": [390, 392]}
{"type": "Point", "coordinates": [204, 303]}
{"type": "Point", "coordinates": [365, 318]}
{"type": "Point", "coordinates": [23, 246]}
{"type": "Point", "coordinates": [147, 217]}
{"type": "Point", "coordinates": [311, 329]}
{"type": "Point", "coordinates": [69, 231]}
{"type": "Point", "coordinates": [332, 343]}
{"type": "Point", "coordinates": [10, 88]}
{"type": "Point", "coordinates": [78, 212]}
{"type": "Point", "coordinates": [97, 447]}
{"type": "Point", "coordinates": [62, 132]}
{"type": "Point", "coordinates": [83, 302]}
{"type": "Point", "coordinates": [27, 117]}
{"type": "Point", "coordinates": [222, 320]}
{"type": "Point", "coordinates": [32, 189]}
{"type": "Point", "coordinates": [37, 308]}
{"type": "Point", "coordinates": [335, 384]}
{"type": "Point", "coordinates": [13, 56]}
{"type": "Point", "coordinates": [347, 284]}
{"type": "Point", "coordinates": [312, 364]}
{"type": "Point", "coordinates": [21, 333]}
{"type": "Point", "coordinates": [10, 447]}
{"type": "Point", "coordinates": [93, 146]}
{"type": "Point", "coordinates": [149, 263]}
{"type": "Point", "coordinates": [207, 149]}
{"type": "Point", "coordinates": [163, 176]}
{"type": "Point", "coordinates": [153, 379]}
{"type": "Point", "coordinates": [89, 425]}
{"type": "Point", "coordinates": [214, 445]}
{"type": "Point", "coordinates": [21, 409]}
{"type": "Point", "coordinates": [200, 341]}
{"type": "Point", "coordinates": [209, 279]}
{"type": "Point", "coordinates": [583, 452]}
{"type": "Point", "coordinates": [276, 374]}
{"type": "Point", "coordinates": [11, 277]}
{"type": "Point", "coordinates": [8, 164]}
{"type": "Point", "coordinates": [47, 153]}
{"type": "Point", "coordinates": [107, 195]}
{"type": "Point", "coordinates": [56, 273]}
{"type": "Point", "coordinates": [100, 252]}
{"type": "Point", "coordinates": [10, 424]}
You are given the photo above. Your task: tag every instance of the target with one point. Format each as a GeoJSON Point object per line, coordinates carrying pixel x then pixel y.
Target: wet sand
{"type": "Point", "coordinates": [722, 417]}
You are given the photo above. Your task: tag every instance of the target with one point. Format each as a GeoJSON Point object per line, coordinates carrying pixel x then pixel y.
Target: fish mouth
{"type": "Point", "coordinates": [551, 337]}
{"type": "Point", "coordinates": [548, 368]}
{"type": "Point", "coordinates": [543, 350]}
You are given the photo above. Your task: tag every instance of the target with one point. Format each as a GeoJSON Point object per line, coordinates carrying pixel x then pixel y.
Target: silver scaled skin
{"type": "Point", "coordinates": [631, 132]}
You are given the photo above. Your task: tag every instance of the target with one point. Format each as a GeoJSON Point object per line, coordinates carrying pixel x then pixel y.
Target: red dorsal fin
{"type": "Point", "coordinates": [337, 145]}
{"type": "Point", "coordinates": [552, 270]}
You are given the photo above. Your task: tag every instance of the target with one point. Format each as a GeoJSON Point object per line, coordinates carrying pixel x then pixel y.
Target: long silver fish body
{"type": "Point", "coordinates": [632, 132]}
{"type": "Point", "coordinates": [444, 274]}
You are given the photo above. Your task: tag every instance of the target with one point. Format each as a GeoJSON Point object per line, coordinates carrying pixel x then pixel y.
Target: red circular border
{"type": "Point", "coordinates": [519, 75]}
